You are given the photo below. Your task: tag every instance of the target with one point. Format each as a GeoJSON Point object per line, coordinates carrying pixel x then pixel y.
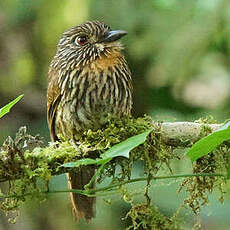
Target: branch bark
{"type": "Point", "coordinates": [180, 133]}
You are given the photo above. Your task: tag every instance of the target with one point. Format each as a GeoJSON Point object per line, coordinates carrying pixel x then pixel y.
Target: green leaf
{"type": "Point", "coordinates": [6, 109]}
{"type": "Point", "coordinates": [228, 171]}
{"type": "Point", "coordinates": [85, 161]}
{"type": "Point", "coordinates": [209, 143]}
{"type": "Point", "coordinates": [122, 149]}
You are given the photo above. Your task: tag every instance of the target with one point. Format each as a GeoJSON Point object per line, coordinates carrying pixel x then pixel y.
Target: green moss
{"type": "Point", "coordinates": [28, 166]}
{"type": "Point", "coordinates": [200, 187]}
{"type": "Point", "coordinates": [24, 159]}
{"type": "Point", "coordinates": [147, 217]}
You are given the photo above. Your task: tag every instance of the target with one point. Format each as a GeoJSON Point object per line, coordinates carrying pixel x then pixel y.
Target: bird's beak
{"type": "Point", "coordinates": [114, 35]}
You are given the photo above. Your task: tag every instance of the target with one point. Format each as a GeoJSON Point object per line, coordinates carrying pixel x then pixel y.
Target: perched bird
{"type": "Point", "coordinates": [88, 79]}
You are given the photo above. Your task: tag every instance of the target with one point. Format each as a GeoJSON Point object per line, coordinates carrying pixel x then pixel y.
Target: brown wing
{"type": "Point", "coordinates": [53, 99]}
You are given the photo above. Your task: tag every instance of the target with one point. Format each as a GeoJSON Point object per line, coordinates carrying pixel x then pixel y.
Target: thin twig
{"type": "Point", "coordinates": [92, 192]}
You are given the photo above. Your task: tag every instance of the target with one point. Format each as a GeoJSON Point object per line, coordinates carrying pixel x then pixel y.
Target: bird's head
{"type": "Point", "coordinates": [87, 42]}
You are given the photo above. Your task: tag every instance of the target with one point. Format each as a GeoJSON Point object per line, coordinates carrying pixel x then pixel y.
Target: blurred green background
{"type": "Point", "coordinates": [179, 55]}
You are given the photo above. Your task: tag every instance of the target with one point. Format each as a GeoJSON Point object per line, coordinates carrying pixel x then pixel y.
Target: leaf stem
{"type": "Point", "coordinates": [93, 179]}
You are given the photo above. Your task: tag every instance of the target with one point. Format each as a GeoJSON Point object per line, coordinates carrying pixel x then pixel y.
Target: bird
{"type": "Point", "coordinates": [88, 81]}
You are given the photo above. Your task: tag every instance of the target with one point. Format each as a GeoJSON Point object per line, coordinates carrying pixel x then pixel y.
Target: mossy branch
{"type": "Point", "coordinates": [28, 153]}
{"type": "Point", "coordinates": [25, 160]}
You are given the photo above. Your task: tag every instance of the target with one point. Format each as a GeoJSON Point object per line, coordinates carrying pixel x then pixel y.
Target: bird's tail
{"type": "Point", "coordinates": [83, 206]}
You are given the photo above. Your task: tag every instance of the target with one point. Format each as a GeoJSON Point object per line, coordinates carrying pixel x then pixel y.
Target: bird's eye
{"type": "Point", "coordinates": [81, 40]}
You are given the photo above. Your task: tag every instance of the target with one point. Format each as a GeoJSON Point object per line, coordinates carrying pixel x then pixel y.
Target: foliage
{"type": "Point", "coordinates": [29, 166]}
{"type": "Point", "coordinates": [208, 156]}
{"type": "Point", "coordinates": [120, 150]}
{"type": "Point", "coordinates": [149, 217]}
{"type": "Point", "coordinates": [6, 109]}
{"type": "Point", "coordinates": [209, 143]}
